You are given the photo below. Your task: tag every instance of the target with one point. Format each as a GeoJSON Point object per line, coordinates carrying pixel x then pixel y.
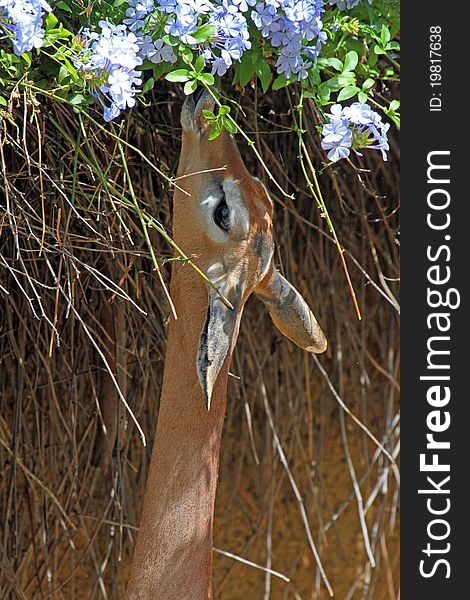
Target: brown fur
{"type": "Point", "coordinates": [173, 554]}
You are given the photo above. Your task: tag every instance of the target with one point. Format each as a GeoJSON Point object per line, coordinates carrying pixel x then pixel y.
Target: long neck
{"type": "Point", "coordinates": [173, 553]}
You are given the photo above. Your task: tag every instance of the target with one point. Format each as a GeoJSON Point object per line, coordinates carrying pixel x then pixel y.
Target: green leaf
{"type": "Point", "coordinates": [215, 132]}
{"type": "Point", "coordinates": [394, 105]}
{"type": "Point", "coordinates": [247, 69]}
{"type": "Point", "coordinates": [368, 84]}
{"type": "Point", "coordinates": [170, 40]}
{"type": "Point", "coordinates": [208, 114]}
{"type": "Point", "coordinates": [348, 92]}
{"type": "Point", "coordinates": [186, 54]}
{"type": "Point", "coordinates": [190, 86]}
{"type": "Point", "coordinates": [179, 75]}
{"type": "Point", "coordinates": [350, 61]}
{"type": "Point", "coordinates": [230, 126]}
{"type": "Point", "coordinates": [77, 99]}
{"type": "Point", "coordinates": [280, 82]}
{"type": "Point", "coordinates": [27, 58]}
{"type": "Point", "coordinates": [331, 62]}
{"type": "Point", "coordinates": [71, 69]}
{"type": "Point", "coordinates": [207, 78]}
{"type": "Point", "coordinates": [372, 58]}
{"type": "Point", "coordinates": [52, 35]}
{"type": "Point", "coordinates": [395, 118]}
{"type": "Point", "coordinates": [63, 6]}
{"type": "Point", "coordinates": [199, 64]}
{"type": "Point", "coordinates": [51, 21]}
{"type": "Point", "coordinates": [63, 73]}
{"type": "Point", "coordinates": [340, 81]}
{"type": "Point", "coordinates": [314, 76]}
{"type": "Point", "coordinates": [385, 35]}
{"type": "Point", "coordinates": [357, 45]}
{"type": "Point", "coordinates": [3, 102]}
{"type": "Point", "coordinates": [348, 78]}
{"type": "Point", "coordinates": [204, 33]}
{"type": "Point", "coordinates": [325, 94]}
{"type": "Point", "coordinates": [42, 84]}
{"type": "Point", "coordinates": [362, 97]}
{"type": "Point", "coordinates": [263, 71]}
{"type": "Point", "coordinates": [378, 50]}
{"type": "Point", "coordinates": [224, 110]}
{"type": "Point", "coordinates": [148, 85]}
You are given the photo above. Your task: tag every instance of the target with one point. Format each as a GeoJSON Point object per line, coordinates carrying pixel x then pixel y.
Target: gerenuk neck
{"type": "Point", "coordinates": [173, 553]}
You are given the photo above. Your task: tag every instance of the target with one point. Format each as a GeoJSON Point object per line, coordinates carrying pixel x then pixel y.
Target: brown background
{"type": "Point", "coordinates": [69, 504]}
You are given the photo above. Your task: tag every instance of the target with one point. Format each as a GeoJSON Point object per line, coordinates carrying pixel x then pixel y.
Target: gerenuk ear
{"type": "Point", "coordinates": [219, 332]}
{"type": "Point", "coordinates": [290, 313]}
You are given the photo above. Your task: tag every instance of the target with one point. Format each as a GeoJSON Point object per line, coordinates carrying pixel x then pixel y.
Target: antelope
{"type": "Point", "coordinates": [223, 216]}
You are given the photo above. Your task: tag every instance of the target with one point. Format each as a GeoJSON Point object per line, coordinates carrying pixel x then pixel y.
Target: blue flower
{"type": "Point", "coordinates": [340, 147]}
{"type": "Point", "coordinates": [231, 38]}
{"type": "Point", "coordinates": [136, 13]}
{"type": "Point", "coordinates": [162, 53]}
{"type": "Point", "coordinates": [243, 5]}
{"type": "Point", "coordinates": [346, 4]}
{"type": "Point", "coordinates": [288, 61]}
{"type": "Point", "coordinates": [379, 132]}
{"type": "Point", "coordinates": [143, 6]}
{"type": "Point", "coordinates": [220, 66]}
{"type": "Point", "coordinates": [167, 6]}
{"type": "Point", "coordinates": [198, 6]}
{"type": "Point", "coordinates": [111, 112]}
{"type": "Point", "coordinates": [263, 15]}
{"type": "Point", "coordinates": [232, 24]}
{"type": "Point", "coordinates": [146, 46]}
{"type": "Point", "coordinates": [22, 21]}
{"type": "Point", "coordinates": [183, 24]}
{"type": "Point", "coordinates": [302, 70]}
{"type": "Point", "coordinates": [360, 114]}
{"type": "Point", "coordinates": [296, 26]}
{"type": "Point", "coordinates": [336, 112]}
{"type": "Point", "coordinates": [334, 131]}
{"type": "Point", "coordinates": [277, 35]}
{"type": "Point", "coordinates": [121, 87]}
{"type": "Point", "coordinates": [365, 126]}
{"type": "Point", "coordinates": [293, 30]}
{"type": "Point", "coordinates": [110, 58]}
{"type": "Point", "coordinates": [115, 45]}
{"type": "Point", "coordinates": [134, 22]}
{"type": "Point", "coordinates": [293, 26]}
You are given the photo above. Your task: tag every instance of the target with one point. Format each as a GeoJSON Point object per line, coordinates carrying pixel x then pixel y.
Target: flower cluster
{"type": "Point", "coordinates": [294, 26]}
{"type": "Point", "coordinates": [230, 38]}
{"type": "Point", "coordinates": [218, 31]}
{"type": "Point", "coordinates": [110, 60]}
{"type": "Point", "coordinates": [138, 15]}
{"type": "Point", "coordinates": [355, 126]}
{"type": "Point", "coordinates": [22, 20]}
{"type": "Point", "coordinates": [137, 12]}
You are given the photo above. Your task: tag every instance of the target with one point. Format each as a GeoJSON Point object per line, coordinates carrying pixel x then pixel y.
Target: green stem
{"type": "Point", "coordinates": [148, 220]}
{"type": "Point", "coordinates": [315, 190]}
{"type": "Point", "coordinates": [394, 62]}
{"type": "Point", "coordinates": [137, 207]}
